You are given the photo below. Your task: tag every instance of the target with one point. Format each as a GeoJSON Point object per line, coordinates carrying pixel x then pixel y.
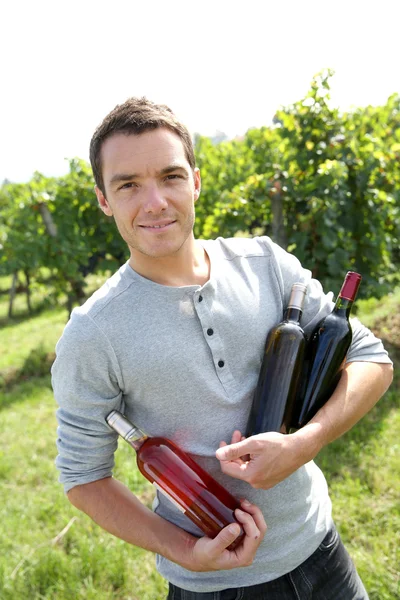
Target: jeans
{"type": "Point", "coordinates": [328, 574]}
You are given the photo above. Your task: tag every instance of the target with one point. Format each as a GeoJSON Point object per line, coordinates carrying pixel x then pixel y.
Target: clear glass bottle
{"type": "Point", "coordinates": [175, 474]}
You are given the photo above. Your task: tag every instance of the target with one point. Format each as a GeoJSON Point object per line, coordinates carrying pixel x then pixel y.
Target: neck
{"type": "Point", "coordinates": [343, 305]}
{"type": "Point", "coordinates": [189, 266]}
{"type": "Point", "coordinates": [292, 314]}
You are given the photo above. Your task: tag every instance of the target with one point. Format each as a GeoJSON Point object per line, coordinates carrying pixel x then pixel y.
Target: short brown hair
{"type": "Point", "coordinates": [135, 116]}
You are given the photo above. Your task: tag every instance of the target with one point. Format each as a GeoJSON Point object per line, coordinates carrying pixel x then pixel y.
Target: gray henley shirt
{"type": "Point", "coordinates": [183, 362]}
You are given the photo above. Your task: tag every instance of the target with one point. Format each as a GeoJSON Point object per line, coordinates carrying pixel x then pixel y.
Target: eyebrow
{"type": "Point", "coordinates": [120, 177]}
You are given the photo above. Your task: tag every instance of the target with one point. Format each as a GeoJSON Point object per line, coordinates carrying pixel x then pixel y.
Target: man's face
{"type": "Point", "coordinates": [150, 189]}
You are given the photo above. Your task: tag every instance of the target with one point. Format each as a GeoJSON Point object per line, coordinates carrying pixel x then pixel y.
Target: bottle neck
{"type": "Point", "coordinates": [135, 438]}
{"type": "Point", "coordinates": [343, 306]}
{"type": "Point", "coordinates": [127, 430]}
{"type": "Point", "coordinates": [292, 314]}
{"type": "Point", "coordinates": [137, 442]}
{"type": "Point", "coordinates": [350, 286]}
{"type": "Point", "coordinates": [294, 308]}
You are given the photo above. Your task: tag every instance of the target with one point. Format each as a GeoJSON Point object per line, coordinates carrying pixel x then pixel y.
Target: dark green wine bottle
{"type": "Point", "coordinates": [326, 351]}
{"type": "Point", "coordinates": [278, 383]}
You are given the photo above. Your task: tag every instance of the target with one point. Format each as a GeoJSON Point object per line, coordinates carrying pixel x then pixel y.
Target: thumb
{"type": "Point", "coordinates": [233, 451]}
{"type": "Point", "coordinates": [225, 537]}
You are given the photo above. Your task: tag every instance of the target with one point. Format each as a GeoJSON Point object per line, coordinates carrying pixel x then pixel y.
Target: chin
{"type": "Point", "coordinates": [160, 252]}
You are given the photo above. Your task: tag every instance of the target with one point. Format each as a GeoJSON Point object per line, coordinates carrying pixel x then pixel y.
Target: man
{"type": "Point", "coordinates": [175, 340]}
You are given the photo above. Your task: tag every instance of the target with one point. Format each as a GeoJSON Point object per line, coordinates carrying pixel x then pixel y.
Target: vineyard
{"type": "Point", "coordinates": [51, 551]}
{"type": "Point", "coordinates": [323, 184]}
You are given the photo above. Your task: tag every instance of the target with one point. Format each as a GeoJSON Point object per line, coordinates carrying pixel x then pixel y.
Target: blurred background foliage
{"type": "Point", "coordinates": [324, 185]}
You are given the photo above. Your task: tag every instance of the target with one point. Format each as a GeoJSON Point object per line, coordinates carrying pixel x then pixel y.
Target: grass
{"type": "Point", "coordinates": [362, 469]}
{"type": "Point", "coordinates": [36, 562]}
{"type": "Point", "coordinates": [49, 550]}
{"type": "Point", "coordinates": [28, 342]}
{"type": "Point", "coordinates": [372, 310]}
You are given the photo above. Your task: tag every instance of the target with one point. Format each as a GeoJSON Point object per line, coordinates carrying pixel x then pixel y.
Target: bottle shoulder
{"type": "Point", "coordinates": [335, 321]}
{"type": "Point", "coordinates": [160, 446]}
{"type": "Point", "coordinates": [156, 441]}
{"type": "Point", "coordinates": [332, 330]}
{"type": "Point", "coordinates": [292, 327]}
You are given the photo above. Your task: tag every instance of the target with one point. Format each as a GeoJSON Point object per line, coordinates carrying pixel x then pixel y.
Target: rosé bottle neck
{"type": "Point", "coordinates": [127, 430]}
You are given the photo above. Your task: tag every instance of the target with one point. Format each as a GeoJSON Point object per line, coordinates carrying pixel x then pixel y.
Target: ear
{"type": "Point", "coordinates": [197, 183]}
{"type": "Point", "coordinates": [103, 202]}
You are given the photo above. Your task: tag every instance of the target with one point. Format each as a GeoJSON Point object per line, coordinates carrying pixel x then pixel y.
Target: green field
{"type": "Point", "coordinates": [48, 550]}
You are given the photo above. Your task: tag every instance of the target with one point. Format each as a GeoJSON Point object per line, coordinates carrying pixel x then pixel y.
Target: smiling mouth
{"type": "Point", "coordinates": [159, 226]}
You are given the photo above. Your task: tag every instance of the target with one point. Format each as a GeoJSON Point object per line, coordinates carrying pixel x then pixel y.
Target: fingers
{"type": "Point", "coordinates": [249, 525]}
{"type": "Point", "coordinates": [257, 515]}
{"type": "Point", "coordinates": [234, 451]}
{"type": "Point", "coordinates": [216, 554]}
{"type": "Point", "coordinates": [236, 437]}
{"type": "Point", "coordinates": [236, 468]}
{"type": "Point", "coordinates": [253, 524]}
{"type": "Point", "coordinates": [233, 467]}
{"type": "Point", "coordinates": [236, 456]}
{"type": "Point", "coordinates": [224, 539]}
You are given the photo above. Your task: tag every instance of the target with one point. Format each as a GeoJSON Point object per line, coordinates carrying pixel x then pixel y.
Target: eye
{"type": "Point", "coordinates": [128, 185]}
{"type": "Point", "coordinates": [173, 176]}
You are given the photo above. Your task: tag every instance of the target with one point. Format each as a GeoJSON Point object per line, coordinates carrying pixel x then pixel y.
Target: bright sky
{"type": "Point", "coordinates": [222, 65]}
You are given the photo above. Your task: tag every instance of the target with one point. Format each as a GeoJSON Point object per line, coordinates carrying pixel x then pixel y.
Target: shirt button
{"type": "Point", "coordinates": [221, 363]}
{"type": "Point", "coordinates": [200, 298]}
{"type": "Point", "coordinates": [210, 331]}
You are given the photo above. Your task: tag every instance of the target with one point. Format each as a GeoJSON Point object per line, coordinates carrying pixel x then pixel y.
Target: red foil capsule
{"type": "Point", "coordinates": [350, 286]}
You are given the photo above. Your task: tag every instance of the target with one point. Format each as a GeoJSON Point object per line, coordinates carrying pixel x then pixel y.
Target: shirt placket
{"type": "Point", "coordinates": [209, 324]}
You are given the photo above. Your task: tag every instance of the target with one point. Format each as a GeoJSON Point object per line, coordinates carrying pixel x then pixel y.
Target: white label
{"type": "Point", "coordinates": [178, 506]}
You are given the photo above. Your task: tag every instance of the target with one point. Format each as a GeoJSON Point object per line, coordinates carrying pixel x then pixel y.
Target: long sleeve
{"type": "Point", "coordinates": [87, 385]}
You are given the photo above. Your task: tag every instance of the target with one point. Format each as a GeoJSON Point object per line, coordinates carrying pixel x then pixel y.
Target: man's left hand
{"type": "Point", "coordinates": [262, 460]}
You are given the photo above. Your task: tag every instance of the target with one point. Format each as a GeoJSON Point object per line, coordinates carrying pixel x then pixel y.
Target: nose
{"type": "Point", "coordinates": [154, 201]}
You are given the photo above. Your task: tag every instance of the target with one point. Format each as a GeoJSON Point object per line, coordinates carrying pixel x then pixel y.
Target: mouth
{"type": "Point", "coordinates": [157, 227]}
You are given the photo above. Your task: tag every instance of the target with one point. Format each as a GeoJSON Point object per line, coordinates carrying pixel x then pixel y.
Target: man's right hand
{"type": "Point", "coordinates": [113, 506]}
{"type": "Point", "coordinates": [213, 555]}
